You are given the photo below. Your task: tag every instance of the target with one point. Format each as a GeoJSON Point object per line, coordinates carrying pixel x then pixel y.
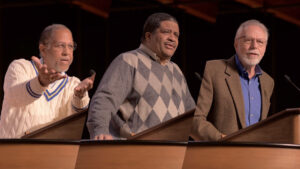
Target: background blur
{"type": "Point", "coordinates": [105, 28]}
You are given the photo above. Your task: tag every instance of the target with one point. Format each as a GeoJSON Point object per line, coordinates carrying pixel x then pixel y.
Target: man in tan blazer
{"type": "Point", "coordinates": [235, 93]}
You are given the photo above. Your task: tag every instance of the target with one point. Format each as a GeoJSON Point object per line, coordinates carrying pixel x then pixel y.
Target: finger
{"type": "Point", "coordinates": [52, 71]}
{"type": "Point", "coordinates": [97, 138]}
{"type": "Point", "coordinates": [36, 61]}
{"type": "Point", "coordinates": [43, 69]}
{"type": "Point", "coordinates": [57, 76]}
{"type": "Point", "coordinates": [90, 85]}
{"type": "Point", "coordinates": [108, 137]}
{"type": "Point", "coordinates": [92, 75]}
{"type": "Point", "coordinates": [79, 93]}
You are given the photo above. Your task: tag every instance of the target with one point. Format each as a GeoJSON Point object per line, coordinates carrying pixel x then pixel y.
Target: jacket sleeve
{"type": "Point", "coordinates": [203, 129]}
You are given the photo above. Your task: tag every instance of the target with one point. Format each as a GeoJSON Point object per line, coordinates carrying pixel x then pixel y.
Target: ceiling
{"type": "Point", "coordinates": [288, 10]}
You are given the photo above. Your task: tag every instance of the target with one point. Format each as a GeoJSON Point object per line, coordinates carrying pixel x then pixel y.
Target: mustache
{"type": "Point", "coordinates": [253, 52]}
{"type": "Point", "coordinates": [173, 44]}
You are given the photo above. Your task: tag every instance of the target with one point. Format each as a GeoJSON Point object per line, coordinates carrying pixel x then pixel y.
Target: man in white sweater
{"type": "Point", "coordinates": [39, 91]}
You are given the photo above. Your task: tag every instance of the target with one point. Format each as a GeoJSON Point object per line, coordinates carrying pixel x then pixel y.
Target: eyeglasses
{"type": "Point", "coordinates": [62, 45]}
{"type": "Point", "coordinates": [249, 41]}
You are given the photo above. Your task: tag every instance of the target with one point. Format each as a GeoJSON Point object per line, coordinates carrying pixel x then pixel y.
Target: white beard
{"type": "Point", "coordinates": [251, 62]}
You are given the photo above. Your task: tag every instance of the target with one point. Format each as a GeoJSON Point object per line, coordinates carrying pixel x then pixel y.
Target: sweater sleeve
{"type": "Point", "coordinates": [78, 104]}
{"type": "Point", "coordinates": [113, 89]}
{"type": "Point", "coordinates": [189, 101]}
{"type": "Point", "coordinates": [21, 85]}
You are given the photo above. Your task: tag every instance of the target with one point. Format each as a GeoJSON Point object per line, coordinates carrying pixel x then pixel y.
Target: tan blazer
{"type": "Point", "coordinates": [220, 105]}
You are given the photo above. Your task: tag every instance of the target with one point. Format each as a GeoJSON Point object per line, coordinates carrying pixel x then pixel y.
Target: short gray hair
{"type": "Point", "coordinates": [249, 23]}
{"type": "Point", "coordinates": [47, 33]}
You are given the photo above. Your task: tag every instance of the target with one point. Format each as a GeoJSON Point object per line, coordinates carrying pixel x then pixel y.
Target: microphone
{"type": "Point", "coordinates": [92, 72]}
{"type": "Point", "coordinates": [198, 76]}
{"type": "Point", "coordinates": [291, 82]}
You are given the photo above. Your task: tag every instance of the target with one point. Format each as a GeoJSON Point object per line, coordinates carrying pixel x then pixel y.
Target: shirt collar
{"type": "Point", "coordinates": [242, 70]}
{"type": "Point", "coordinates": [149, 52]}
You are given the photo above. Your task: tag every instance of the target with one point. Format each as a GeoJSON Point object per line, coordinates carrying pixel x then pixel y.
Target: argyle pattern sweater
{"type": "Point", "coordinates": [137, 93]}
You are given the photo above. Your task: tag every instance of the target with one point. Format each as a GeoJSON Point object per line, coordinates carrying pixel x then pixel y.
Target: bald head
{"type": "Point", "coordinates": [48, 32]}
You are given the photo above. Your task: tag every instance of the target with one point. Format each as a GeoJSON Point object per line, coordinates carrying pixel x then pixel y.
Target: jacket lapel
{"type": "Point", "coordinates": [234, 86]}
{"type": "Point", "coordinates": [264, 101]}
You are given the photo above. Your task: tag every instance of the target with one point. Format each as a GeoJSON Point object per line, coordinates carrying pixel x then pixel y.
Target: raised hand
{"type": "Point", "coordinates": [85, 85]}
{"type": "Point", "coordinates": [46, 76]}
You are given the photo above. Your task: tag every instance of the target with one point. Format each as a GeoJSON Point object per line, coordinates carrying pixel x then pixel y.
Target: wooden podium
{"type": "Point", "coordinates": [283, 127]}
{"type": "Point", "coordinates": [175, 129]}
{"type": "Point", "coordinates": [69, 128]}
{"type": "Point", "coordinates": [241, 150]}
{"type": "Point", "coordinates": [130, 154]}
{"type": "Point", "coordinates": [38, 154]}
{"type": "Point", "coordinates": [241, 155]}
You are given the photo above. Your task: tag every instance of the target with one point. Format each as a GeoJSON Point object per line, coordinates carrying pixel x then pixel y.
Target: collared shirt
{"type": "Point", "coordinates": [251, 93]}
{"type": "Point", "coordinates": [152, 54]}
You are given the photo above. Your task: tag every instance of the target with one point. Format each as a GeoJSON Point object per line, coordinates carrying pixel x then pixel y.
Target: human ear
{"type": "Point", "coordinates": [147, 35]}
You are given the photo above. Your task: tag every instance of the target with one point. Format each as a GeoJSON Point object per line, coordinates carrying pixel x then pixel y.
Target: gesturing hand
{"type": "Point", "coordinates": [46, 76]}
{"type": "Point", "coordinates": [85, 85]}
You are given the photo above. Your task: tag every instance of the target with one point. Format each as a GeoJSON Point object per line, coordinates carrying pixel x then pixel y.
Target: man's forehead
{"type": "Point", "coordinates": [61, 34]}
{"type": "Point", "coordinates": [169, 24]}
{"type": "Point", "coordinates": [253, 29]}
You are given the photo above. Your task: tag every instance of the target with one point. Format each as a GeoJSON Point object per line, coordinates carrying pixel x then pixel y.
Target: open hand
{"type": "Point", "coordinates": [46, 76]}
{"type": "Point", "coordinates": [84, 86]}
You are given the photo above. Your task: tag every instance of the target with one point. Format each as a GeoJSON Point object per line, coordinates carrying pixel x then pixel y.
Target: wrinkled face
{"type": "Point", "coordinates": [58, 52]}
{"type": "Point", "coordinates": [164, 40]}
{"type": "Point", "coordinates": [250, 45]}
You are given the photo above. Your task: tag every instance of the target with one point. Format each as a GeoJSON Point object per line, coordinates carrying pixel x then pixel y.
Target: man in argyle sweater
{"type": "Point", "coordinates": [141, 88]}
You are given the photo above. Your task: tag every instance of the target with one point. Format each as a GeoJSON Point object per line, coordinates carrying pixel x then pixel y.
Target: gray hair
{"type": "Point", "coordinates": [47, 33]}
{"type": "Point", "coordinates": [153, 22]}
{"type": "Point", "coordinates": [249, 23]}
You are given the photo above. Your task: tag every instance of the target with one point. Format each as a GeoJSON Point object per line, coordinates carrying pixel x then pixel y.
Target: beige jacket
{"type": "Point", "coordinates": [220, 105]}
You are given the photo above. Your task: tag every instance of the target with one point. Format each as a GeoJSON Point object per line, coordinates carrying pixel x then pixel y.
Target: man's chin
{"type": "Point", "coordinates": [168, 55]}
{"type": "Point", "coordinates": [252, 62]}
{"type": "Point", "coordinates": [62, 69]}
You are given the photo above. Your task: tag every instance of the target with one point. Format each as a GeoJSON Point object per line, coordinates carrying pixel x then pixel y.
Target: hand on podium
{"type": "Point", "coordinates": [103, 137]}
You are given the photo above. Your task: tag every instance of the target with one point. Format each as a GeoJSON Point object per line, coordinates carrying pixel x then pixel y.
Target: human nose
{"type": "Point", "coordinates": [172, 38]}
{"type": "Point", "coordinates": [254, 44]}
{"type": "Point", "coordinates": [66, 50]}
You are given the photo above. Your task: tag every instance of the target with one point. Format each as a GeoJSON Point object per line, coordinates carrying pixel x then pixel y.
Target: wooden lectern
{"type": "Point", "coordinates": [175, 129]}
{"type": "Point", "coordinates": [283, 127]}
{"type": "Point", "coordinates": [69, 128]}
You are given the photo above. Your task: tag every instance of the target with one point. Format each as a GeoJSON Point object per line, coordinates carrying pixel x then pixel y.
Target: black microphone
{"type": "Point", "coordinates": [291, 82]}
{"type": "Point", "coordinates": [198, 76]}
{"type": "Point", "coordinates": [92, 72]}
